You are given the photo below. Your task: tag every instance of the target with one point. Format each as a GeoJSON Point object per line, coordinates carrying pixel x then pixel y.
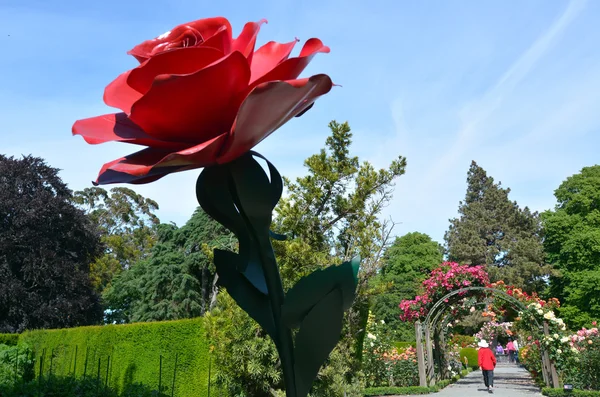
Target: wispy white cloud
{"type": "Point", "coordinates": [477, 113]}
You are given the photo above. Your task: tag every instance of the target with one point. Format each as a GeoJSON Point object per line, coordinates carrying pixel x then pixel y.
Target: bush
{"type": "Point", "coordinates": [16, 364]}
{"type": "Point", "coordinates": [550, 392]}
{"type": "Point", "coordinates": [586, 375]}
{"type": "Point", "coordinates": [69, 386]}
{"type": "Point", "coordinates": [462, 340]}
{"type": "Point", "coordinates": [401, 346]}
{"type": "Point", "coordinates": [471, 354]}
{"type": "Point", "coordinates": [529, 357]}
{"type": "Point", "coordinates": [9, 339]}
{"type": "Point", "coordinates": [134, 351]}
{"type": "Point", "coordinates": [398, 391]}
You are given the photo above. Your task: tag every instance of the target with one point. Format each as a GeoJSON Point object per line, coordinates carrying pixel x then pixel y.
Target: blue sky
{"type": "Point", "coordinates": [514, 85]}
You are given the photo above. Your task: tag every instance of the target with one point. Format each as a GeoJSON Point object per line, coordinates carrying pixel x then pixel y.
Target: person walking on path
{"type": "Point", "coordinates": [516, 346]}
{"type": "Point", "coordinates": [510, 347]}
{"type": "Point", "coordinates": [487, 363]}
{"type": "Point", "coordinates": [499, 349]}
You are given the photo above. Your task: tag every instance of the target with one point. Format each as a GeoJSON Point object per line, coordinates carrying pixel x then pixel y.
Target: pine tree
{"type": "Point", "coordinates": [177, 280]}
{"type": "Point", "coordinates": [492, 230]}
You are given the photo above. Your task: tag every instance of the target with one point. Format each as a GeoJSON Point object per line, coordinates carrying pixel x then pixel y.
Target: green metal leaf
{"type": "Point", "coordinates": [247, 296]}
{"type": "Point", "coordinates": [277, 236]}
{"type": "Point", "coordinates": [216, 195]}
{"type": "Point", "coordinates": [310, 290]}
{"type": "Point", "coordinates": [257, 195]}
{"type": "Point", "coordinates": [319, 333]}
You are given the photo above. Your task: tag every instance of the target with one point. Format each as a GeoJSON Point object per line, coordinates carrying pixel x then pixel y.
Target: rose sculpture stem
{"type": "Point", "coordinates": [241, 196]}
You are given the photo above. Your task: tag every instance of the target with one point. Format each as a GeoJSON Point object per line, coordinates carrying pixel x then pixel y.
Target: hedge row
{"type": "Point", "coordinates": [396, 391]}
{"type": "Point", "coordinates": [548, 391]}
{"type": "Point", "coordinates": [471, 354]}
{"type": "Point", "coordinates": [9, 339]}
{"type": "Point", "coordinates": [128, 354]}
{"type": "Point", "coordinates": [413, 390]}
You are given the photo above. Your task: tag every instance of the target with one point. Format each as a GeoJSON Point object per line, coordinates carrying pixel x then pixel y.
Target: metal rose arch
{"type": "Point", "coordinates": [431, 332]}
{"type": "Point", "coordinates": [201, 98]}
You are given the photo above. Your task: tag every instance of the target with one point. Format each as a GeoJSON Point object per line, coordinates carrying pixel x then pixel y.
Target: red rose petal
{"type": "Point", "coordinates": [120, 95]}
{"type": "Point", "coordinates": [268, 56]}
{"type": "Point", "coordinates": [267, 108]}
{"type": "Point", "coordinates": [151, 164]}
{"type": "Point", "coordinates": [206, 27]}
{"type": "Point", "coordinates": [290, 69]}
{"type": "Point", "coordinates": [117, 127]}
{"type": "Point", "coordinates": [177, 61]}
{"type": "Point", "coordinates": [196, 107]}
{"type": "Point", "coordinates": [221, 40]}
{"type": "Point", "coordinates": [247, 39]}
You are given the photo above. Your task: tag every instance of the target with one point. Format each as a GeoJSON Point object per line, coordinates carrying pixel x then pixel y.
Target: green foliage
{"type": "Point", "coordinates": [9, 339]}
{"type": "Point", "coordinates": [550, 392]}
{"type": "Point", "coordinates": [407, 262]}
{"type": "Point", "coordinates": [471, 354]}
{"type": "Point", "coordinates": [492, 230]}
{"type": "Point", "coordinates": [134, 351]}
{"type": "Point", "coordinates": [16, 364]}
{"type": "Point", "coordinates": [46, 247]}
{"type": "Point", "coordinates": [396, 391]}
{"type": "Point", "coordinates": [572, 242]}
{"type": "Point", "coordinates": [74, 387]}
{"type": "Point", "coordinates": [126, 221]}
{"type": "Point", "coordinates": [246, 362]}
{"type": "Point", "coordinates": [176, 281]}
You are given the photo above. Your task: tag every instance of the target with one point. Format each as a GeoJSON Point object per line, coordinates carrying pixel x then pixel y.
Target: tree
{"type": "Point", "coordinates": [407, 263]}
{"type": "Point", "coordinates": [492, 230]}
{"type": "Point", "coordinates": [46, 247]}
{"type": "Point", "coordinates": [572, 243]}
{"type": "Point", "coordinates": [328, 216]}
{"type": "Point", "coordinates": [177, 280]}
{"type": "Point", "coordinates": [127, 223]}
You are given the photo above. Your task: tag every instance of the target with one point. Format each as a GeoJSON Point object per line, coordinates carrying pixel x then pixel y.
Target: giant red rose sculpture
{"type": "Point", "coordinates": [201, 97]}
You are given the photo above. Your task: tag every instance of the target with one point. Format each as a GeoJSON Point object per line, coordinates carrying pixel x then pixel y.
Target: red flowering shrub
{"type": "Point", "coordinates": [450, 276]}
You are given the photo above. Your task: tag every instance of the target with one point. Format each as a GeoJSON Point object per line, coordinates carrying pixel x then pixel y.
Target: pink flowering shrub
{"type": "Point", "coordinates": [492, 330]}
{"type": "Point", "coordinates": [450, 276]}
{"type": "Point", "coordinates": [585, 373]}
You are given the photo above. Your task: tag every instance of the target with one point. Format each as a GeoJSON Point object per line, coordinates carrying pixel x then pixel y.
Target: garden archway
{"type": "Point", "coordinates": [431, 331]}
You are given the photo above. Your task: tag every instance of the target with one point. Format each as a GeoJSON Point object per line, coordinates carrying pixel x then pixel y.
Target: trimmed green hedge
{"type": "Point", "coordinates": [548, 391]}
{"type": "Point", "coordinates": [471, 354]}
{"type": "Point", "coordinates": [134, 351]}
{"type": "Point", "coordinates": [414, 390]}
{"type": "Point", "coordinates": [9, 339]}
{"type": "Point", "coordinates": [395, 391]}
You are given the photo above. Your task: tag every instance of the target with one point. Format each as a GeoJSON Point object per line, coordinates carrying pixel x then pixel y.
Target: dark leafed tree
{"type": "Point", "coordinates": [46, 247]}
{"type": "Point", "coordinates": [492, 230]}
{"type": "Point", "coordinates": [572, 242]}
{"type": "Point", "coordinates": [127, 224]}
{"type": "Point", "coordinates": [177, 280]}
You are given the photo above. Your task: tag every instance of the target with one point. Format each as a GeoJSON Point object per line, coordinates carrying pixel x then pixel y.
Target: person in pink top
{"type": "Point", "coordinates": [510, 347]}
